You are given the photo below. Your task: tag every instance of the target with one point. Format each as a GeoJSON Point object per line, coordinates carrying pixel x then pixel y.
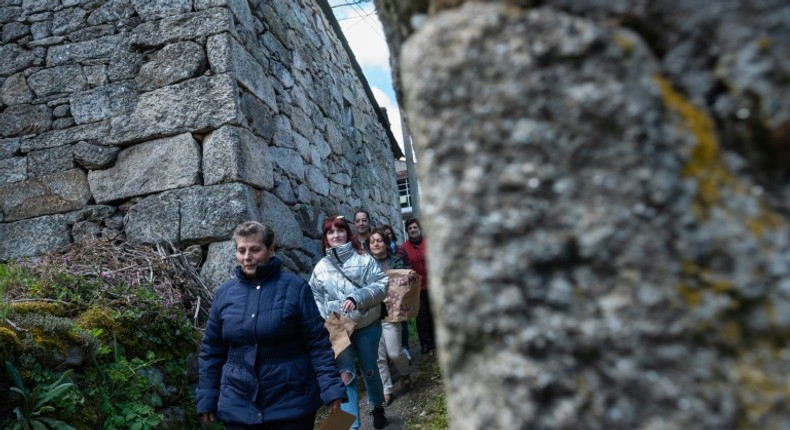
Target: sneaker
{"type": "Point", "coordinates": [405, 382]}
{"type": "Point", "coordinates": [379, 420]}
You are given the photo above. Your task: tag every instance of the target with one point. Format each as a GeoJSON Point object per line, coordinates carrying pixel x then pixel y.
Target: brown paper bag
{"type": "Point", "coordinates": [338, 421]}
{"type": "Point", "coordinates": [403, 295]}
{"type": "Point", "coordinates": [340, 329]}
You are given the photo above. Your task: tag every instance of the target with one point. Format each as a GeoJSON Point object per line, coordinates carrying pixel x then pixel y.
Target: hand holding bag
{"type": "Point", "coordinates": [403, 295]}
{"type": "Point", "coordinates": [383, 312]}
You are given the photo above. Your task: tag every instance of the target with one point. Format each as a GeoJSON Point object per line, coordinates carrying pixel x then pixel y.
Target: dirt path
{"type": "Point", "coordinates": [415, 408]}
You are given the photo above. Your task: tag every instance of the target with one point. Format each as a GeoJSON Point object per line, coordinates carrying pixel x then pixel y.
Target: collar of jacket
{"type": "Point", "coordinates": [386, 258]}
{"type": "Point", "coordinates": [341, 253]}
{"type": "Point", "coordinates": [263, 272]}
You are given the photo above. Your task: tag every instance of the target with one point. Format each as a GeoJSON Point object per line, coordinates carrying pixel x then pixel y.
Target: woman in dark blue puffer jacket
{"type": "Point", "coordinates": [265, 360]}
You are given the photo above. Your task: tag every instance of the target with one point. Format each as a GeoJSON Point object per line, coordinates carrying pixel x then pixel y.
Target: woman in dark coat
{"type": "Point", "coordinates": [265, 360]}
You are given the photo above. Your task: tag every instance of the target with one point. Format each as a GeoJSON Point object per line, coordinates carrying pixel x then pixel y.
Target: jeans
{"type": "Point", "coordinates": [365, 346]}
{"type": "Point", "coordinates": [390, 347]}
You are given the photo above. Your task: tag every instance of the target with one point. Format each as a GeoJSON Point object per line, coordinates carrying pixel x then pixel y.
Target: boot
{"type": "Point", "coordinates": [379, 420]}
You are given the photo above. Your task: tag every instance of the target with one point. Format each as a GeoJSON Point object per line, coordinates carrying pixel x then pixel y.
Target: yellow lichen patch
{"type": "Point", "coordinates": [770, 311]}
{"type": "Point", "coordinates": [705, 163]}
{"type": "Point", "coordinates": [689, 268]}
{"type": "Point", "coordinates": [763, 385]}
{"type": "Point", "coordinates": [765, 43]}
{"type": "Point", "coordinates": [715, 283]}
{"type": "Point", "coordinates": [704, 279]}
{"type": "Point", "coordinates": [692, 296]}
{"type": "Point", "coordinates": [625, 41]}
{"type": "Point", "coordinates": [755, 387]}
{"type": "Point", "coordinates": [731, 333]}
{"type": "Point", "coordinates": [755, 226]}
{"type": "Point", "coordinates": [767, 220]}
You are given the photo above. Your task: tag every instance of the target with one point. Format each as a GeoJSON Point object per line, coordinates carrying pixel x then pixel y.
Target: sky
{"type": "Point", "coordinates": [364, 33]}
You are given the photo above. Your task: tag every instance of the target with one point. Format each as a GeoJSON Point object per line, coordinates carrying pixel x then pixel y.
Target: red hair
{"type": "Point", "coordinates": [341, 223]}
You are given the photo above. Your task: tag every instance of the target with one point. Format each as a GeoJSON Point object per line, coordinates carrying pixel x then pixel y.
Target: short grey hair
{"type": "Point", "coordinates": [253, 228]}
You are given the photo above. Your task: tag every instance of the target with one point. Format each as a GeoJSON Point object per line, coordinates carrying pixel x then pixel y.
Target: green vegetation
{"type": "Point", "coordinates": [430, 395]}
{"type": "Point", "coordinates": [413, 331]}
{"type": "Point", "coordinates": [39, 403]}
{"type": "Point", "coordinates": [102, 335]}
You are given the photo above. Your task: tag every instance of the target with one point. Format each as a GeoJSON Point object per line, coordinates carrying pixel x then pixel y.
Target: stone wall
{"type": "Point", "coordinates": [626, 267]}
{"type": "Point", "coordinates": [175, 120]}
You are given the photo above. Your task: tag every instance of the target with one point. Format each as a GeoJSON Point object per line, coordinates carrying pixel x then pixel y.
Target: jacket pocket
{"type": "Point", "coordinates": [287, 385]}
{"type": "Point", "coordinates": [239, 383]}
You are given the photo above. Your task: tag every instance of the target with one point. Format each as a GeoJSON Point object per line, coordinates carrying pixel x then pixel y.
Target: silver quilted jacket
{"type": "Point", "coordinates": [331, 288]}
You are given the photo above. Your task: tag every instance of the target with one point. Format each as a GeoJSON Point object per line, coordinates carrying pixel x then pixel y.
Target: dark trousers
{"type": "Point", "coordinates": [425, 329]}
{"type": "Point", "coordinates": [306, 422]}
{"type": "Point", "coordinates": [404, 334]}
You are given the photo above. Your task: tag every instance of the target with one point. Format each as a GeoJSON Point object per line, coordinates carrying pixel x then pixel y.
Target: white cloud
{"type": "Point", "coordinates": [366, 37]}
{"type": "Point", "coordinates": [392, 113]}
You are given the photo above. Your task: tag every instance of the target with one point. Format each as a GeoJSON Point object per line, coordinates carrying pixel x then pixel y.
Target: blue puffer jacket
{"type": "Point", "coordinates": [265, 354]}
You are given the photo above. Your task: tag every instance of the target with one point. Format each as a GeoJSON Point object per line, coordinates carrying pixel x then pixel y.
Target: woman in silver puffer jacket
{"type": "Point", "coordinates": [350, 282]}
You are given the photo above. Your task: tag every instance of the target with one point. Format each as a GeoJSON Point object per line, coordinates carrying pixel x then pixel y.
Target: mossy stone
{"type": "Point", "coordinates": [97, 318]}
{"type": "Point", "coordinates": [37, 307]}
{"type": "Point", "coordinates": [9, 343]}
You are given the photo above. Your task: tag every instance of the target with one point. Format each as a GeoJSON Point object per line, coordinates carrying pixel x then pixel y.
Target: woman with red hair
{"type": "Point", "coordinates": [350, 282]}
